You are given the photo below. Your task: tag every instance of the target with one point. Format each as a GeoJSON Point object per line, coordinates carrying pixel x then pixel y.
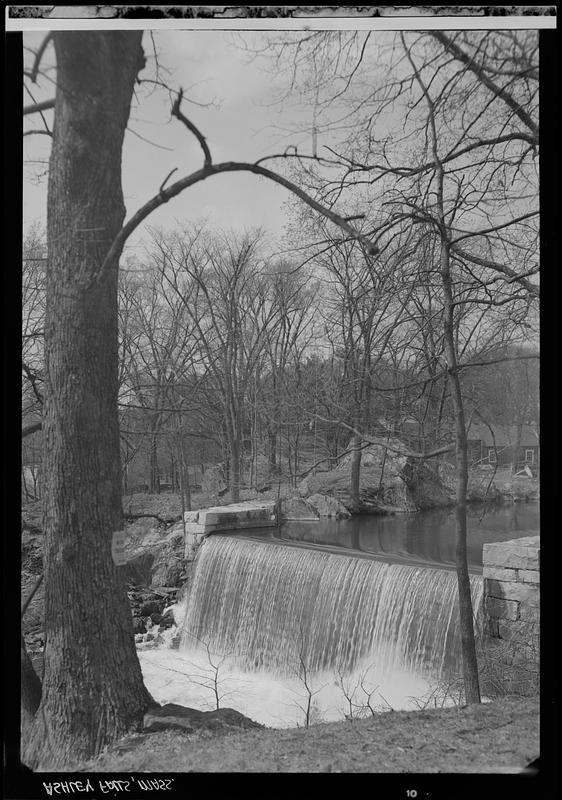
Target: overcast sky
{"type": "Point", "coordinates": [241, 125]}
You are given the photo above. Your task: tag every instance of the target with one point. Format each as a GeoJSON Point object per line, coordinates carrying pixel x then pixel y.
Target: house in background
{"type": "Point", "coordinates": [508, 446]}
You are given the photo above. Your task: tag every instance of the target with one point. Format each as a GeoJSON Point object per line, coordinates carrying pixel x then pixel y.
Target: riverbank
{"type": "Point", "coordinates": [497, 737]}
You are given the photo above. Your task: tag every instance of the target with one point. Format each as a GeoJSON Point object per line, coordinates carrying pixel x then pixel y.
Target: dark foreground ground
{"type": "Point", "coordinates": [497, 737]}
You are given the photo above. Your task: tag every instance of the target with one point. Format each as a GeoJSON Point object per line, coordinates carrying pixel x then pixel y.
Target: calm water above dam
{"type": "Point", "coordinates": [426, 537]}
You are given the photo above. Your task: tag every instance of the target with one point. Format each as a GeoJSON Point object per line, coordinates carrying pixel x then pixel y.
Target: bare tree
{"type": "Point", "coordinates": [457, 164]}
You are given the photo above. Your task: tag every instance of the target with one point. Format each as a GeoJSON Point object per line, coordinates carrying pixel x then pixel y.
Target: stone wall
{"type": "Point", "coordinates": [511, 572]}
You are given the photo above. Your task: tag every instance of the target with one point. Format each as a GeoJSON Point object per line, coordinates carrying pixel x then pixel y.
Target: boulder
{"type": "Point", "coordinates": [169, 568]}
{"type": "Point", "coordinates": [296, 508]}
{"type": "Point", "coordinates": [213, 480]}
{"type": "Point", "coordinates": [174, 716]}
{"type": "Point", "coordinates": [155, 556]}
{"type": "Point", "coordinates": [148, 608]}
{"type": "Point", "coordinates": [424, 485]}
{"type": "Point", "coordinates": [389, 482]}
{"type": "Point", "coordinates": [326, 506]}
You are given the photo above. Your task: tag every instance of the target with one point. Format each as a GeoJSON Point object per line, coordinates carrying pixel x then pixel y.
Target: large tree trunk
{"type": "Point", "coordinates": [93, 690]}
{"type": "Point", "coordinates": [30, 690]}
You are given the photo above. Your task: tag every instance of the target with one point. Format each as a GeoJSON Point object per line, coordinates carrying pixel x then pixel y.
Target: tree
{"type": "Point", "coordinates": [157, 351]}
{"type": "Point", "coordinates": [33, 319]}
{"type": "Point", "coordinates": [364, 311]}
{"type": "Point", "coordinates": [291, 295]}
{"type": "Point", "coordinates": [92, 686]}
{"type": "Point", "coordinates": [223, 292]}
{"type": "Point", "coordinates": [455, 164]}
{"type": "Point", "coordinates": [93, 690]}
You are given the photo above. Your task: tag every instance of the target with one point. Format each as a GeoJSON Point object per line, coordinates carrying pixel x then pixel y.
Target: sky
{"type": "Point", "coordinates": [240, 124]}
{"type": "Point", "coordinates": [233, 107]}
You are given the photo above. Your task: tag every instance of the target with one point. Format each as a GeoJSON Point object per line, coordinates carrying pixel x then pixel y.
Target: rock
{"type": "Point", "coordinates": [389, 483]}
{"type": "Point", "coordinates": [139, 627]}
{"type": "Point", "coordinates": [151, 607]}
{"type": "Point", "coordinates": [148, 607]}
{"type": "Point", "coordinates": [155, 558]}
{"type": "Point", "coordinates": [295, 508]}
{"type": "Point", "coordinates": [424, 485]}
{"type": "Point", "coordinates": [167, 621]}
{"type": "Point", "coordinates": [178, 717]}
{"type": "Point", "coordinates": [162, 507]}
{"type": "Point", "coordinates": [326, 506]}
{"type": "Point", "coordinates": [213, 480]}
{"type": "Point", "coordinates": [169, 563]}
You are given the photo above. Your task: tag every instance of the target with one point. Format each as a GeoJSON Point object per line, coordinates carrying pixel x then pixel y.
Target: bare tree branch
{"type": "Point", "coordinates": [532, 288]}
{"type": "Point", "coordinates": [38, 56]}
{"type": "Point", "coordinates": [176, 112]}
{"type": "Point", "coordinates": [33, 379]}
{"type": "Point", "coordinates": [384, 442]}
{"type": "Point", "coordinates": [38, 107]}
{"type": "Point", "coordinates": [499, 91]}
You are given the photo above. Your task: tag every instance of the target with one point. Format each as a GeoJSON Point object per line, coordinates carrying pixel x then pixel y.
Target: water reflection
{"type": "Point", "coordinates": [427, 536]}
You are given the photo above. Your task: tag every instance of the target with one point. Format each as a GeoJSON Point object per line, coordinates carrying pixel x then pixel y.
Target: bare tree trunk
{"type": "Point", "coordinates": [355, 468]}
{"type": "Point", "coordinates": [468, 644]}
{"type": "Point", "coordinates": [470, 664]}
{"type": "Point", "coordinates": [273, 468]}
{"type": "Point", "coordinates": [93, 690]}
{"type": "Point", "coordinates": [516, 447]}
{"type": "Point", "coordinates": [234, 472]}
{"type": "Point", "coordinates": [154, 480]}
{"type": "Point", "coordinates": [185, 489]}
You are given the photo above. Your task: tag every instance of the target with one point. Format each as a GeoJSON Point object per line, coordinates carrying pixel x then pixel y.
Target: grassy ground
{"type": "Point", "coordinates": [502, 737]}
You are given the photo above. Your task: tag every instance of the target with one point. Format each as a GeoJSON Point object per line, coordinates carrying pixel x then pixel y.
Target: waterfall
{"type": "Point", "coordinates": [272, 607]}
